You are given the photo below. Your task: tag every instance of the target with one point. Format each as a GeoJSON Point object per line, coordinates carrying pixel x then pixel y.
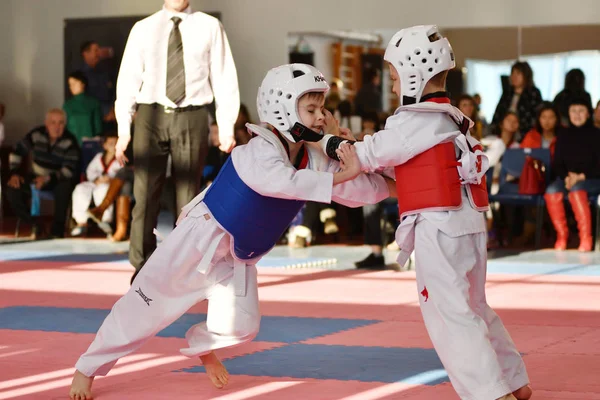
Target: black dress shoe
{"type": "Point", "coordinates": [38, 232]}
{"type": "Point", "coordinates": [375, 262]}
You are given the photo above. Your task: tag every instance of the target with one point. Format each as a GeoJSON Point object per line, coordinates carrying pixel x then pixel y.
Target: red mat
{"type": "Point", "coordinates": [553, 319]}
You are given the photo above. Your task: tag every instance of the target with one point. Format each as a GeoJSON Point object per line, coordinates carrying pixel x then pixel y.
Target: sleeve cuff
{"type": "Point", "coordinates": [226, 131]}
{"type": "Point", "coordinates": [124, 133]}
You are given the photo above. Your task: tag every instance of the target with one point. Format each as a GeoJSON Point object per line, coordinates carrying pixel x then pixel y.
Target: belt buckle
{"type": "Point", "coordinates": [169, 110]}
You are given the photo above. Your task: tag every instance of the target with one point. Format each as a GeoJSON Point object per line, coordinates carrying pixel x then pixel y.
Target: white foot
{"type": "Point", "coordinates": [215, 370]}
{"type": "Point", "coordinates": [81, 387]}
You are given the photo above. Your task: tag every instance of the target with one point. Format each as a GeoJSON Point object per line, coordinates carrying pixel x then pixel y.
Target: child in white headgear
{"type": "Point", "coordinates": [225, 231]}
{"type": "Point", "coordinates": [439, 170]}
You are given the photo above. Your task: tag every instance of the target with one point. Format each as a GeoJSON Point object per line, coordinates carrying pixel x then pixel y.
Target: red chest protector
{"type": "Point", "coordinates": [431, 182]}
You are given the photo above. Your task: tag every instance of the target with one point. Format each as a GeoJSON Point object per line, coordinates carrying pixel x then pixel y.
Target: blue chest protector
{"type": "Point", "coordinates": [255, 222]}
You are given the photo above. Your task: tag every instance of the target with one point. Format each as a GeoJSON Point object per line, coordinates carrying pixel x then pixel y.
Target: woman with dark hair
{"type": "Point", "coordinates": [503, 137]}
{"type": "Point", "coordinates": [574, 88]}
{"type": "Point", "coordinates": [543, 135]}
{"type": "Point", "coordinates": [522, 97]}
{"type": "Point", "coordinates": [494, 145]}
{"type": "Point", "coordinates": [467, 105]}
{"type": "Point", "coordinates": [577, 166]}
{"type": "Point", "coordinates": [596, 116]}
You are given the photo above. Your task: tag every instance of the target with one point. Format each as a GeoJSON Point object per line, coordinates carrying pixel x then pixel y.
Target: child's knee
{"type": "Point", "coordinates": [578, 186]}
{"type": "Point", "coordinates": [79, 189]}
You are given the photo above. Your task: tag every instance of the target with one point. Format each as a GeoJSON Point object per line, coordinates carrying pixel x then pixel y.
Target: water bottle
{"type": "Point", "coordinates": [35, 201]}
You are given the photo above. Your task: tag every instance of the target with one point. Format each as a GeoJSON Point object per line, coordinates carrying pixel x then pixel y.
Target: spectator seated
{"type": "Point", "coordinates": [513, 161]}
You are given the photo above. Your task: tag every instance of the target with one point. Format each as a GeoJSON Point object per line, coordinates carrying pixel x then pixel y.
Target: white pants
{"type": "Point", "coordinates": [470, 339]}
{"type": "Point", "coordinates": [82, 197]}
{"type": "Point", "coordinates": [167, 286]}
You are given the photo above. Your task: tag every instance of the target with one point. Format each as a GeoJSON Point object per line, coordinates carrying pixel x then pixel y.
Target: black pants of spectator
{"type": "Point", "coordinates": [372, 219]}
{"type": "Point", "coordinates": [183, 135]}
{"type": "Point", "coordinates": [19, 200]}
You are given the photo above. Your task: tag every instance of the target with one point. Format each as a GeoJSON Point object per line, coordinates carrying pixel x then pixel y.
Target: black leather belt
{"type": "Point", "coordinates": [170, 110]}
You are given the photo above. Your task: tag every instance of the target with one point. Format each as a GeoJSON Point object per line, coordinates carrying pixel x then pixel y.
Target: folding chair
{"type": "Point", "coordinates": [513, 161]}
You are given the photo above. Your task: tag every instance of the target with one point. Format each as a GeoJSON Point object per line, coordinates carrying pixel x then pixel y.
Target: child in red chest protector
{"type": "Point", "coordinates": [439, 170]}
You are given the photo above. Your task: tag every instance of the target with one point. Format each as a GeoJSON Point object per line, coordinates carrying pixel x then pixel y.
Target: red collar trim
{"type": "Point", "coordinates": [106, 167]}
{"type": "Point", "coordinates": [436, 97]}
{"type": "Point", "coordinates": [303, 152]}
{"type": "Point", "coordinates": [439, 100]}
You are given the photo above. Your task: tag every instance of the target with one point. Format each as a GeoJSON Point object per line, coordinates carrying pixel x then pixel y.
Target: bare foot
{"type": "Point", "coordinates": [81, 388]}
{"type": "Point", "coordinates": [215, 370]}
{"type": "Point", "coordinates": [523, 393]}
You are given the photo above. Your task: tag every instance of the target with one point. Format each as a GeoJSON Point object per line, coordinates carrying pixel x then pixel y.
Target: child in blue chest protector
{"type": "Point", "coordinates": [224, 231]}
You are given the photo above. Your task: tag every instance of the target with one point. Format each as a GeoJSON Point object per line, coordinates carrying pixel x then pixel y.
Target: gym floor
{"type": "Point", "coordinates": [328, 331]}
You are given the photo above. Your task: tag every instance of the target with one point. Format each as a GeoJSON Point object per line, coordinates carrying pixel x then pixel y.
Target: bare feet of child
{"type": "Point", "coordinates": [215, 370]}
{"type": "Point", "coordinates": [81, 388]}
{"type": "Point", "coordinates": [523, 393]}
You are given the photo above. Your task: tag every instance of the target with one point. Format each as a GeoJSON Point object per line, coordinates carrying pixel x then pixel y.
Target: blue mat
{"type": "Point", "coordinates": [346, 363]}
{"type": "Point", "coordinates": [80, 320]}
{"type": "Point", "coordinates": [61, 256]}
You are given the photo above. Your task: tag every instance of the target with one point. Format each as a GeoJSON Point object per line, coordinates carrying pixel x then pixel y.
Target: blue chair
{"type": "Point", "coordinates": [513, 161]}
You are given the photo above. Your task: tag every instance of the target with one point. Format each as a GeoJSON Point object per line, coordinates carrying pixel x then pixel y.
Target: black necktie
{"type": "Point", "coordinates": [175, 67]}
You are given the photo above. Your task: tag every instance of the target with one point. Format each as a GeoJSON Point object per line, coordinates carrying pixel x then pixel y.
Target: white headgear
{"type": "Point", "coordinates": [277, 99]}
{"type": "Point", "coordinates": [417, 58]}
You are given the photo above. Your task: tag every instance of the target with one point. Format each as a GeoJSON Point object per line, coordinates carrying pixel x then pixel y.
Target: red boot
{"type": "Point", "coordinates": [583, 215]}
{"type": "Point", "coordinates": [556, 209]}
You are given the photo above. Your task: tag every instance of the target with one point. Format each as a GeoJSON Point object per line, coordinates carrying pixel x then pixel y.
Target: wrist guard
{"type": "Point", "coordinates": [333, 143]}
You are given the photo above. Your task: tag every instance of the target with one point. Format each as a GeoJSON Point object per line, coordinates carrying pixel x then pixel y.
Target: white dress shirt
{"type": "Point", "coordinates": [209, 68]}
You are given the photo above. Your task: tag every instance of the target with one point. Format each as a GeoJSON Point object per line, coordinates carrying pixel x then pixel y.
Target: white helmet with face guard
{"type": "Point", "coordinates": [418, 54]}
{"type": "Point", "coordinates": [277, 99]}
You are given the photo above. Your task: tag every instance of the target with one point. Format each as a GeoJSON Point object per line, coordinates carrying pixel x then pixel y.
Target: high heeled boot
{"type": "Point", "coordinates": [556, 209]}
{"type": "Point", "coordinates": [583, 215]}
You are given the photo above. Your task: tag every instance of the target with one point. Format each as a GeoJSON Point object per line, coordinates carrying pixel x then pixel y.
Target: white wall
{"type": "Point", "coordinates": [31, 55]}
{"type": "Point", "coordinates": [321, 47]}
